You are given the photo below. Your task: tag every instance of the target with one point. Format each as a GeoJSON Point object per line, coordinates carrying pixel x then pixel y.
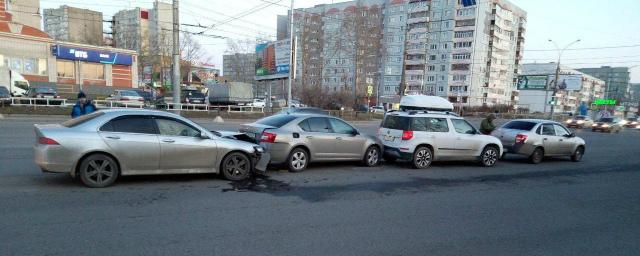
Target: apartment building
{"type": "Point", "coordinates": [617, 79]}
{"type": "Point", "coordinates": [74, 25]}
{"type": "Point", "coordinates": [465, 50]}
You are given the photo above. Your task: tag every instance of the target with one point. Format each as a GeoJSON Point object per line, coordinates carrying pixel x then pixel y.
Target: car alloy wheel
{"type": "Point", "coordinates": [298, 160]}
{"type": "Point", "coordinates": [537, 156]}
{"type": "Point", "coordinates": [98, 171]}
{"type": "Point", "coordinates": [372, 156]}
{"type": "Point", "coordinates": [577, 155]}
{"type": "Point", "coordinates": [489, 156]}
{"type": "Point", "coordinates": [236, 166]}
{"type": "Point", "coordinates": [422, 158]}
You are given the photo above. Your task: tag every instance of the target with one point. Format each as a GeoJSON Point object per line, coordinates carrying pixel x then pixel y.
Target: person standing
{"type": "Point", "coordinates": [83, 106]}
{"type": "Point", "coordinates": [487, 126]}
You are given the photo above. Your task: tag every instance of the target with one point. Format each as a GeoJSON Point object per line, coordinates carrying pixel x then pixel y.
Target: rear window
{"type": "Point", "coordinates": [580, 117]}
{"type": "Point", "coordinates": [397, 123]}
{"type": "Point", "coordinates": [519, 125]}
{"type": "Point", "coordinates": [81, 119]}
{"type": "Point", "coordinates": [129, 93]}
{"type": "Point", "coordinates": [276, 120]}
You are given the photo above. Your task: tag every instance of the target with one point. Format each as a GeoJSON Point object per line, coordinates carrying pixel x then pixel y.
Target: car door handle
{"type": "Point", "coordinates": [168, 140]}
{"type": "Point", "coordinates": [113, 137]}
{"type": "Point", "coordinates": [309, 137]}
{"type": "Point", "coordinates": [338, 138]}
{"type": "Point", "coordinates": [544, 139]}
{"type": "Point", "coordinates": [560, 140]}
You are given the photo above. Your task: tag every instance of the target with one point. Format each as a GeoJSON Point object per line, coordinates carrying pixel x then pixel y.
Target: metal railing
{"type": "Point", "coordinates": [44, 102]}
{"type": "Point", "coordinates": [118, 104]}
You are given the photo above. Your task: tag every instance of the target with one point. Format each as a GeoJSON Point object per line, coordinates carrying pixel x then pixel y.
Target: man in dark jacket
{"type": "Point", "coordinates": [83, 106]}
{"type": "Point", "coordinates": [487, 126]}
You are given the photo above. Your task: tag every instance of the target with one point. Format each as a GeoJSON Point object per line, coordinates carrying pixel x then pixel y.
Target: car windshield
{"type": "Point", "coordinates": [195, 94]}
{"type": "Point", "coordinates": [580, 118]}
{"type": "Point", "coordinates": [397, 123]}
{"type": "Point", "coordinates": [44, 90]}
{"type": "Point", "coordinates": [4, 91]}
{"type": "Point", "coordinates": [606, 119]}
{"type": "Point", "coordinates": [129, 93]}
{"type": "Point", "coordinates": [633, 119]}
{"type": "Point", "coordinates": [81, 119]}
{"type": "Point", "coordinates": [276, 120]}
{"type": "Point", "coordinates": [519, 125]}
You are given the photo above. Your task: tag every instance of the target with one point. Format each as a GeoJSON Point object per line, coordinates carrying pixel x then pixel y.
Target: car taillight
{"type": "Point", "coordinates": [47, 141]}
{"type": "Point", "coordinates": [186, 100]}
{"type": "Point", "coordinates": [268, 137]}
{"type": "Point", "coordinates": [407, 135]}
{"type": "Point", "coordinates": [521, 138]}
{"type": "Point", "coordinates": [124, 99]}
{"type": "Point", "coordinates": [141, 99]}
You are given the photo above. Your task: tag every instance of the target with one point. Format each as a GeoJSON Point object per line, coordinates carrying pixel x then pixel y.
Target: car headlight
{"type": "Point", "coordinates": [594, 125]}
{"type": "Point", "coordinates": [623, 122]}
{"type": "Point", "coordinates": [606, 125]}
{"type": "Point", "coordinates": [634, 123]}
{"type": "Point", "coordinates": [568, 121]}
{"type": "Point", "coordinates": [580, 122]}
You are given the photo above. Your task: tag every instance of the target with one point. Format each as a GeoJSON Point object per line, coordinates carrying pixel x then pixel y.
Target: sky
{"type": "Point", "coordinates": [596, 23]}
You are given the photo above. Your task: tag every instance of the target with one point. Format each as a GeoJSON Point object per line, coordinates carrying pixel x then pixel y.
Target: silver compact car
{"type": "Point", "coordinates": [103, 145]}
{"type": "Point", "coordinates": [539, 138]}
{"type": "Point", "coordinates": [608, 124]}
{"type": "Point", "coordinates": [298, 139]}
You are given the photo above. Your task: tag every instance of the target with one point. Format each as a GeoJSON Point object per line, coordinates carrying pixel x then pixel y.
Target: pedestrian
{"type": "Point", "coordinates": [83, 106]}
{"type": "Point", "coordinates": [487, 126]}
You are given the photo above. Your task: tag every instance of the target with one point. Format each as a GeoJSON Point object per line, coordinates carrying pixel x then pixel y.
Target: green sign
{"type": "Point", "coordinates": [532, 82]}
{"type": "Point", "coordinates": [604, 102]}
{"type": "Point", "coordinates": [369, 90]}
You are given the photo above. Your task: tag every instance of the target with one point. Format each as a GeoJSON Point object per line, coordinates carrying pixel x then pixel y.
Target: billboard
{"type": "Point", "coordinates": [104, 57]}
{"type": "Point", "coordinates": [567, 82]}
{"type": "Point", "coordinates": [532, 82]}
{"type": "Point", "coordinates": [272, 60]}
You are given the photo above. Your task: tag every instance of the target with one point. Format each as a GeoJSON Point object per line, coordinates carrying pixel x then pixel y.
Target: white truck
{"type": "Point", "coordinates": [15, 83]}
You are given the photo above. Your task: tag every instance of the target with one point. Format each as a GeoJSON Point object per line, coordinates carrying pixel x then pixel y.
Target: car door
{"type": "Point", "coordinates": [565, 143]}
{"type": "Point", "coordinates": [133, 140]}
{"type": "Point", "coordinates": [550, 141]}
{"type": "Point", "coordinates": [319, 137]}
{"type": "Point", "coordinates": [182, 149]}
{"type": "Point", "coordinates": [435, 131]}
{"type": "Point", "coordinates": [467, 140]}
{"type": "Point", "coordinates": [349, 144]}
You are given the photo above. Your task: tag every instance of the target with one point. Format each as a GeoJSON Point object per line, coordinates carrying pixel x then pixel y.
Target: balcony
{"type": "Point", "coordinates": [424, 8]}
{"type": "Point", "coordinates": [415, 62]}
{"type": "Point", "coordinates": [414, 72]}
{"type": "Point", "coordinates": [418, 30]}
{"type": "Point", "coordinates": [417, 20]}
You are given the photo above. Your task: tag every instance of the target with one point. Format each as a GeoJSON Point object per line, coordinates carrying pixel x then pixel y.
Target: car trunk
{"type": "Point", "coordinates": [392, 129]}
{"type": "Point", "coordinates": [254, 130]}
{"type": "Point", "coordinates": [507, 136]}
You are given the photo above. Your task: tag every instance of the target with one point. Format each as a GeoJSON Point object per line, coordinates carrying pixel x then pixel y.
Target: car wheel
{"type": "Point", "coordinates": [372, 156]}
{"type": "Point", "coordinates": [489, 156]}
{"type": "Point", "coordinates": [298, 160]}
{"type": "Point", "coordinates": [422, 157]}
{"type": "Point", "coordinates": [236, 166]}
{"type": "Point", "coordinates": [577, 155]}
{"type": "Point", "coordinates": [98, 171]}
{"type": "Point", "coordinates": [536, 156]}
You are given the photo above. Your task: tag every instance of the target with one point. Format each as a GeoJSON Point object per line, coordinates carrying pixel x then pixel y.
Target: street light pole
{"type": "Point", "coordinates": [175, 81]}
{"type": "Point", "coordinates": [292, 58]}
{"type": "Point", "coordinates": [557, 77]}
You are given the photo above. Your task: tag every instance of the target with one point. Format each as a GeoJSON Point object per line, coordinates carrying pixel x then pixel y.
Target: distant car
{"type": "Point", "coordinates": [607, 124]}
{"type": "Point", "coordinates": [631, 122]}
{"type": "Point", "coordinates": [539, 138]}
{"type": "Point", "coordinates": [298, 139]}
{"type": "Point", "coordinates": [101, 146]}
{"type": "Point", "coordinates": [297, 104]}
{"type": "Point", "coordinates": [258, 103]}
{"type": "Point", "coordinates": [146, 95]}
{"type": "Point", "coordinates": [45, 92]}
{"type": "Point", "coordinates": [129, 97]}
{"type": "Point", "coordinates": [579, 122]}
{"type": "Point", "coordinates": [303, 110]}
{"type": "Point", "coordinates": [377, 109]}
{"type": "Point", "coordinates": [193, 97]}
{"type": "Point", "coordinates": [5, 96]}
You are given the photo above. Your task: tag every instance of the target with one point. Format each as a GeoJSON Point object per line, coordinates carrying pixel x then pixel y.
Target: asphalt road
{"type": "Point", "coordinates": [515, 208]}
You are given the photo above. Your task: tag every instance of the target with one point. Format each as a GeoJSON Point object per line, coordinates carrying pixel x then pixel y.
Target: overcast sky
{"type": "Point", "coordinates": [597, 23]}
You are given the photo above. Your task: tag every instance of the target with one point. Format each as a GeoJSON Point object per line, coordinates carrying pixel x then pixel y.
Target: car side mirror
{"type": "Point", "coordinates": [570, 135]}
{"type": "Point", "coordinates": [355, 132]}
{"type": "Point", "coordinates": [204, 136]}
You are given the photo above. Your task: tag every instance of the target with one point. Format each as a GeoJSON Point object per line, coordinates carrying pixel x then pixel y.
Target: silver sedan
{"type": "Point", "coordinates": [297, 139]}
{"type": "Point", "coordinates": [103, 145]}
{"type": "Point", "coordinates": [539, 138]}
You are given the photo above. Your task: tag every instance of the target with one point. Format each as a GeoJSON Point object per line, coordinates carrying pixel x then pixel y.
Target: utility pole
{"type": "Point", "coordinates": [555, 85]}
{"type": "Point", "coordinates": [292, 58]}
{"type": "Point", "coordinates": [175, 81]}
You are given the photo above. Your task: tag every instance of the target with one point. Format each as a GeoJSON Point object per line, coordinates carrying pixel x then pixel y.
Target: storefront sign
{"type": "Point", "coordinates": [604, 102]}
{"type": "Point", "coordinates": [104, 57]}
{"type": "Point", "coordinates": [532, 82]}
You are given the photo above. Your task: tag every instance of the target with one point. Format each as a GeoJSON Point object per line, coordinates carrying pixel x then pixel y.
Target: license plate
{"type": "Point", "coordinates": [388, 138]}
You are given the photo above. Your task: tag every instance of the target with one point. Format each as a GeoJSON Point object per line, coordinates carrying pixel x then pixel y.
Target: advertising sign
{"type": "Point", "coordinates": [104, 57]}
{"type": "Point", "coordinates": [273, 60]}
{"type": "Point", "coordinates": [567, 82]}
{"type": "Point", "coordinates": [532, 82]}
{"type": "Point", "coordinates": [604, 102]}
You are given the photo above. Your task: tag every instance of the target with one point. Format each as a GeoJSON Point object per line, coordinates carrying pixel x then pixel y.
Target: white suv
{"type": "Point", "coordinates": [426, 136]}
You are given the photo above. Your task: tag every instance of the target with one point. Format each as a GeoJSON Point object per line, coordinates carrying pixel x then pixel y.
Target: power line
{"type": "Point", "coordinates": [587, 48]}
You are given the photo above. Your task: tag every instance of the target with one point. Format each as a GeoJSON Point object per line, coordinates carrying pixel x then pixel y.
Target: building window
{"type": "Point", "coordinates": [462, 45]}
{"type": "Point", "coordinates": [461, 56]}
{"type": "Point", "coordinates": [431, 68]}
{"type": "Point", "coordinates": [443, 67]}
{"type": "Point", "coordinates": [459, 78]}
{"type": "Point", "coordinates": [92, 71]}
{"type": "Point", "coordinates": [432, 57]}
{"type": "Point", "coordinates": [463, 34]}
{"type": "Point", "coordinates": [460, 67]}
{"type": "Point", "coordinates": [65, 68]}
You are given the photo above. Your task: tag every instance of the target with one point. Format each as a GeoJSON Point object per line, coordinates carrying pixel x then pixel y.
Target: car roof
{"type": "Point", "coordinates": [537, 121]}
{"type": "Point", "coordinates": [138, 111]}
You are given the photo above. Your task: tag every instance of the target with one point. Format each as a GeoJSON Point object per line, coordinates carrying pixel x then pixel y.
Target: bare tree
{"type": "Point", "coordinates": [243, 64]}
{"type": "Point", "coordinates": [191, 53]}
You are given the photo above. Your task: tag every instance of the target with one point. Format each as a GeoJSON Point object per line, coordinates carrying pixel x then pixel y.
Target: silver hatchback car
{"type": "Point", "coordinates": [298, 139]}
{"type": "Point", "coordinates": [103, 145]}
{"type": "Point", "coordinates": [539, 138]}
